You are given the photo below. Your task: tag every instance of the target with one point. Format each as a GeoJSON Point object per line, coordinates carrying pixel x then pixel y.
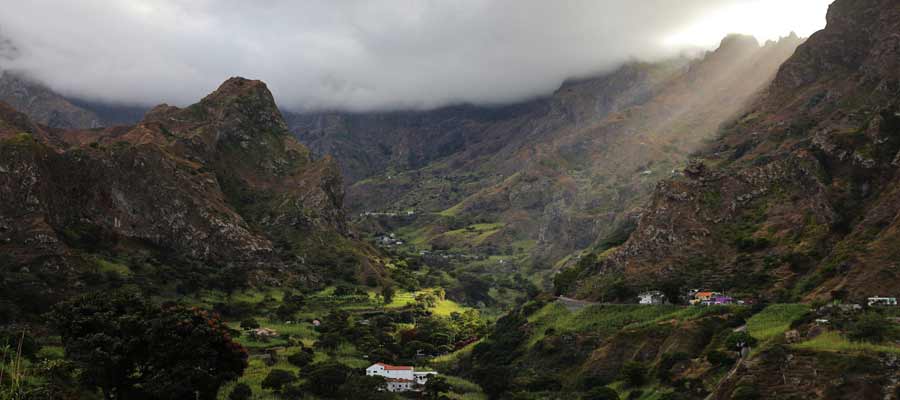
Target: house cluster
{"type": "Point", "coordinates": [400, 378]}
{"type": "Point", "coordinates": [709, 298]}
{"type": "Point", "coordinates": [388, 240]}
{"type": "Point", "coordinates": [695, 297]}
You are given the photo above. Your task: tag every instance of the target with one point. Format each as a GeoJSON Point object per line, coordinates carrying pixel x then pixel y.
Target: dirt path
{"type": "Point", "coordinates": [575, 304]}
{"type": "Point", "coordinates": [731, 373]}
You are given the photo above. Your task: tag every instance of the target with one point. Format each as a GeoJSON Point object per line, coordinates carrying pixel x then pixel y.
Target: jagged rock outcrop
{"type": "Point", "coordinates": [220, 182]}
{"type": "Point", "coordinates": [799, 197]}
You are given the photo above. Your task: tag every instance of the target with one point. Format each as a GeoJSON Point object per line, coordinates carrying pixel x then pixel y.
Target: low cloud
{"type": "Point", "coordinates": [327, 54]}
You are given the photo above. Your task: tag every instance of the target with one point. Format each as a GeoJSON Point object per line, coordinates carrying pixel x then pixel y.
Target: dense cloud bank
{"type": "Point", "coordinates": [352, 55]}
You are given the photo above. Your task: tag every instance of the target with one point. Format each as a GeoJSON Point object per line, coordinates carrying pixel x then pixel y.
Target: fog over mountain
{"type": "Point", "coordinates": [355, 55]}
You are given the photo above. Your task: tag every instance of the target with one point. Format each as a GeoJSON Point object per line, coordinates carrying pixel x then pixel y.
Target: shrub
{"type": "Point", "coordinates": [745, 392]}
{"type": "Point", "coordinates": [870, 327]}
{"type": "Point", "coordinates": [719, 358]}
{"type": "Point", "coordinates": [241, 392]}
{"type": "Point", "coordinates": [249, 323]}
{"type": "Point", "coordinates": [634, 373]}
{"type": "Point", "coordinates": [278, 379]}
{"type": "Point", "coordinates": [668, 361]}
{"type": "Point", "coordinates": [301, 358]}
{"type": "Point", "coordinates": [601, 393]}
{"type": "Point", "coordinates": [737, 340]}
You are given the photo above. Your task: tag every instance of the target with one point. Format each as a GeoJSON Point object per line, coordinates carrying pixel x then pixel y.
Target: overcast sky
{"type": "Point", "coordinates": [365, 54]}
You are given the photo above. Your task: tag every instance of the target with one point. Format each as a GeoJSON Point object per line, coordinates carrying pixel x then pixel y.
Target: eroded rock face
{"type": "Point", "coordinates": [219, 182]}
{"type": "Point", "coordinates": [800, 194]}
{"type": "Point", "coordinates": [44, 105]}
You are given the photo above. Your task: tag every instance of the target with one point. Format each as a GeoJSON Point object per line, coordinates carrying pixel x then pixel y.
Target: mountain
{"type": "Point", "coordinates": [798, 197]}
{"type": "Point", "coordinates": [212, 194]}
{"type": "Point", "coordinates": [793, 201]}
{"type": "Point", "coordinates": [44, 105]}
{"type": "Point", "coordinates": [543, 178]}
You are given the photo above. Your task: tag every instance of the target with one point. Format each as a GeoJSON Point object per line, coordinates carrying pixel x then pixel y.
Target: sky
{"type": "Point", "coordinates": [364, 55]}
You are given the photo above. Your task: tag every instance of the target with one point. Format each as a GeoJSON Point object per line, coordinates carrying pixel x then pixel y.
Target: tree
{"type": "Point", "coordinates": [132, 349]}
{"type": "Point", "coordinates": [870, 327]}
{"type": "Point", "coordinates": [634, 373]}
{"type": "Point", "coordinates": [249, 323]}
{"type": "Point", "coordinates": [435, 385]}
{"type": "Point", "coordinates": [301, 358]}
{"type": "Point", "coordinates": [241, 392]}
{"type": "Point", "coordinates": [737, 340]}
{"type": "Point", "coordinates": [387, 293]}
{"type": "Point", "coordinates": [364, 387]}
{"type": "Point", "coordinates": [601, 393]}
{"type": "Point", "coordinates": [325, 379]}
{"type": "Point", "coordinates": [278, 379]}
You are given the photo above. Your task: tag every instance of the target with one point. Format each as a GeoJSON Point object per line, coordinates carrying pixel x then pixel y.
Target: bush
{"type": "Point", "coordinates": [719, 358]}
{"type": "Point", "coordinates": [668, 361]}
{"type": "Point", "coordinates": [241, 392]}
{"type": "Point", "coordinates": [674, 396]}
{"type": "Point", "coordinates": [870, 327]}
{"type": "Point", "coordinates": [745, 392]}
{"type": "Point", "coordinates": [301, 358]}
{"type": "Point", "coordinates": [278, 379]}
{"type": "Point", "coordinates": [249, 323]}
{"type": "Point", "coordinates": [736, 340]}
{"type": "Point", "coordinates": [634, 373]}
{"type": "Point", "coordinates": [601, 393]}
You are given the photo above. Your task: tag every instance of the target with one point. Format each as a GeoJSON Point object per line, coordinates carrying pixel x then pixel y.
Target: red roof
{"type": "Point", "coordinates": [389, 367]}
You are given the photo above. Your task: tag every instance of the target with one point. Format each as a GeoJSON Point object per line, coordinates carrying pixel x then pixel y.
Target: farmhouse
{"type": "Point", "coordinates": [882, 301]}
{"type": "Point", "coordinates": [399, 378]}
{"type": "Point", "coordinates": [653, 297]}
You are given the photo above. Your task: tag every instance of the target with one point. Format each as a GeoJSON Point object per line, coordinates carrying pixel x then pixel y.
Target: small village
{"type": "Point", "coordinates": [698, 297]}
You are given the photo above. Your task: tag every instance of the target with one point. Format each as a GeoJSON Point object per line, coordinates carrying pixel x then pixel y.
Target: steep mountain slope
{"type": "Point", "coordinates": [554, 173]}
{"type": "Point", "coordinates": [207, 194]}
{"type": "Point", "coordinates": [799, 197]}
{"type": "Point", "coordinates": [44, 105]}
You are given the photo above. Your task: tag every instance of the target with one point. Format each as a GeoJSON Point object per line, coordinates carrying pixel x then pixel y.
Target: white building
{"type": "Point", "coordinates": [399, 378]}
{"type": "Point", "coordinates": [882, 301]}
{"type": "Point", "coordinates": [653, 297]}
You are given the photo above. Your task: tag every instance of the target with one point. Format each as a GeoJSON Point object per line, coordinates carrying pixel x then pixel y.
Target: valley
{"type": "Point", "coordinates": [716, 226]}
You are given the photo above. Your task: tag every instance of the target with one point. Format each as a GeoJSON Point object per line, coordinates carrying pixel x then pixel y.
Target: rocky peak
{"type": "Point", "coordinates": [738, 43]}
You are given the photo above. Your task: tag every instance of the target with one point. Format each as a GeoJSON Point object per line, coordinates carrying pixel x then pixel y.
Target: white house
{"type": "Point", "coordinates": [652, 297]}
{"type": "Point", "coordinates": [399, 378]}
{"type": "Point", "coordinates": [882, 301]}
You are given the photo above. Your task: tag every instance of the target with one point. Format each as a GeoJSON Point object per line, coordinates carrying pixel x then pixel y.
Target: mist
{"type": "Point", "coordinates": [343, 55]}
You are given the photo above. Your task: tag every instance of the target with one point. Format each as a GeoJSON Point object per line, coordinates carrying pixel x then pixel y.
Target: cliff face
{"type": "Point", "coordinates": [43, 105]}
{"type": "Point", "coordinates": [218, 183]}
{"type": "Point", "coordinates": [557, 172]}
{"type": "Point", "coordinates": [799, 196]}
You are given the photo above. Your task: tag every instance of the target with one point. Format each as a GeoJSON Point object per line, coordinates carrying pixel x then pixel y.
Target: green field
{"type": "Point", "coordinates": [774, 320]}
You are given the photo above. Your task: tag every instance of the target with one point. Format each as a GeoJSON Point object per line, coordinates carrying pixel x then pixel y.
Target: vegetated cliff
{"type": "Point", "coordinates": [800, 196]}
{"type": "Point", "coordinates": [180, 197]}
{"type": "Point", "coordinates": [550, 349]}
{"type": "Point", "coordinates": [44, 105]}
{"type": "Point", "coordinates": [556, 172]}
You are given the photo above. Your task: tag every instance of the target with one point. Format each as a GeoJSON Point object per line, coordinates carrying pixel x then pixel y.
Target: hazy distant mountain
{"type": "Point", "coordinates": [550, 175]}
{"type": "Point", "coordinates": [44, 105]}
